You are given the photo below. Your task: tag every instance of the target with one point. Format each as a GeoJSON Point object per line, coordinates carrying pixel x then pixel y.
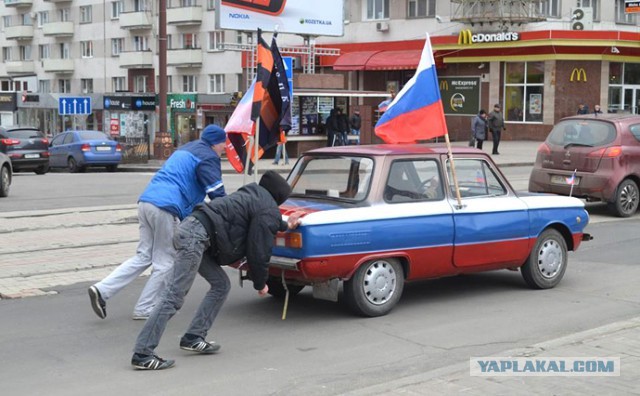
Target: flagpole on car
{"type": "Point", "coordinates": [453, 169]}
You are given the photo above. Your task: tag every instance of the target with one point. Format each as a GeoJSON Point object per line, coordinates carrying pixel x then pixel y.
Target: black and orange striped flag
{"type": "Point", "coordinates": [263, 75]}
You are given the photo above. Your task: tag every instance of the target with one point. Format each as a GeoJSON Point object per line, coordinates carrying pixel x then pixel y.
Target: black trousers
{"type": "Point", "coordinates": [496, 134]}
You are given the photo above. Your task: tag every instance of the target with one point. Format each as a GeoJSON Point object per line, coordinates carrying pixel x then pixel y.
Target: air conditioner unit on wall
{"type": "Point", "coordinates": [382, 26]}
{"type": "Point", "coordinates": [582, 18]}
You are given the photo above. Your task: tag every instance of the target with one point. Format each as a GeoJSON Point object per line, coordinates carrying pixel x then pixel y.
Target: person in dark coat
{"type": "Point", "coordinates": [218, 233]}
{"type": "Point", "coordinates": [343, 128]}
{"type": "Point", "coordinates": [479, 128]}
{"type": "Point", "coordinates": [332, 127]}
{"type": "Point", "coordinates": [355, 122]}
{"type": "Point", "coordinates": [495, 120]}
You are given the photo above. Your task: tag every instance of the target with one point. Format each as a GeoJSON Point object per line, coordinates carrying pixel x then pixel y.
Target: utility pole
{"type": "Point", "coordinates": [162, 136]}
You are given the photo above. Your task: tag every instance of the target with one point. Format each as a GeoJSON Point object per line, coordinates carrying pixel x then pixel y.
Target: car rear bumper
{"type": "Point", "coordinates": [30, 163]}
{"type": "Point", "coordinates": [102, 159]}
{"type": "Point", "coordinates": [598, 186]}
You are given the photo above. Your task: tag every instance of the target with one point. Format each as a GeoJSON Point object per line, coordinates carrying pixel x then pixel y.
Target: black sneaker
{"type": "Point", "coordinates": [97, 303]}
{"type": "Point", "coordinates": [200, 346]}
{"type": "Point", "coordinates": [150, 362]}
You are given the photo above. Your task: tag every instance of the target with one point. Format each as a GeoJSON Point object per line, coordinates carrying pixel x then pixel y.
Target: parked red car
{"type": "Point", "coordinates": [597, 155]}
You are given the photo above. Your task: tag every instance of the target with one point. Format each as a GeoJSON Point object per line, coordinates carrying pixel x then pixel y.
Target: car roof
{"type": "Point", "coordinates": [392, 149]}
{"type": "Point", "coordinates": [622, 117]}
{"type": "Point", "coordinates": [17, 127]}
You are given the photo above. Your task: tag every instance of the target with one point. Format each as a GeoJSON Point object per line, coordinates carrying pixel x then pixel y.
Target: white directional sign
{"type": "Point", "coordinates": [74, 105]}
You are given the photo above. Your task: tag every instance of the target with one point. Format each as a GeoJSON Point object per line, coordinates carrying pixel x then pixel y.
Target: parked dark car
{"type": "Point", "coordinates": [27, 147]}
{"type": "Point", "coordinates": [6, 174]}
{"type": "Point", "coordinates": [77, 150]}
{"type": "Point", "coordinates": [595, 157]}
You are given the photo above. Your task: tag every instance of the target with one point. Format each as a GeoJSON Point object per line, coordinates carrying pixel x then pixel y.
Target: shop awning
{"type": "Point", "coordinates": [378, 60]}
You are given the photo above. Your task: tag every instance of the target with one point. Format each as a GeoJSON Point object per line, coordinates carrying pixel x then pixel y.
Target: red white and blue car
{"type": "Point", "coordinates": [378, 216]}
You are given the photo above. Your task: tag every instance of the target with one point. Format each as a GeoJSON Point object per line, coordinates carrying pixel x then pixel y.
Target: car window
{"type": "Point", "coordinates": [57, 140]}
{"type": "Point", "coordinates": [413, 180]}
{"type": "Point", "coordinates": [635, 131]}
{"type": "Point", "coordinates": [25, 133]}
{"type": "Point", "coordinates": [345, 177]}
{"type": "Point", "coordinates": [475, 179]}
{"type": "Point", "coordinates": [68, 139]}
{"type": "Point", "coordinates": [590, 133]}
{"type": "Point", "coordinates": [92, 135]}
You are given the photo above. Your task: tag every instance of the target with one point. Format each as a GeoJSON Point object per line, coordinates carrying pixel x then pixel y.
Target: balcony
{"type": "Point", "coordinates": [184, 16]}
{"type": "Point", "coordinates": [58, 29]}
{"type": "Point", "coordinates": [136, 59]}
{"type": "Point", "coordinates": [57, 1]}
{"type": "Point", "coordinates": [20, 67]}
{"type": "Point", "coordinates": [58, 65]}
{"type": "Point", "coordinates": [18, 3]}
{"type": "Point", "coordinates": [138, 20]}
{"type": "Point", "coordinates": [184, 57]}
{"type": "Point", "coordinates": [20, 32]}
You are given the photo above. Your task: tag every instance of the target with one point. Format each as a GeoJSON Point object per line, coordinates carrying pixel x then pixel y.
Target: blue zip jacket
{"type": "Point", "coordinates": [189, 174]}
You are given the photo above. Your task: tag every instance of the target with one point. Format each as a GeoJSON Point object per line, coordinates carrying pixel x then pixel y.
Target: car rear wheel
{"type": "Point", "coordinates": [112, 168]}
{"type": "Point", "coordinates": [276, 289]}
{"type": "Point", "coordinates": [5, 181]}
{"type": "Point", "coordinates": [375, 288]}
{"type": "Point", "coordinates": [42, 170]}
{"type": "Point", "coordinates": [626, 199]}
{"type": "Point", "coordinates": [547, 262]}
{"type": "Point", "coordinates": [72, 164]}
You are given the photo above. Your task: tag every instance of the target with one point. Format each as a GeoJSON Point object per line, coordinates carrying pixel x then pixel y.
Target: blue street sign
{"type": "Point", "coordinates": [70, 105]}
{"type": "Point", "coordinates": [288, 65]}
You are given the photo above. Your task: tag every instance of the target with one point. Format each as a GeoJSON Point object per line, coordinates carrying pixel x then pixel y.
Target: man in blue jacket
{"type": "Point", "coordinates": [191, 172]}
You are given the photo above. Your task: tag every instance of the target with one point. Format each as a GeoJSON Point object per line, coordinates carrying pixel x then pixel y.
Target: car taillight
{"type": "Point", "coordinates": [118, 147]}
{"type": "Point", "coordinates": [608, 152]}
{"type": "Point", "coordinates": [544, 149]}
{"type": "Point", "coordinates": [44, 154]}
{"type": "Point", "coordinates": [85, 147]}
{"type": "Point", "coordinates": [45, 141]}
{"type": "Point", "coordinates": [289, 239]}
{"type": "Point", "coordinates": [10, 142]}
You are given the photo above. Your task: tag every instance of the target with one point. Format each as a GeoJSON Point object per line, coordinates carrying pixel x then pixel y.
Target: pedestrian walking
{"type": "Point", "coordinates": [332, 127]}
{"type": "Point", "coordinates": [596, 109]}
{"type": "Point", "coordinates": [343, 128]}
{"type": "Point", "coordinates": [281, 150]}
{"type": "Point", "coordinates": [189, 174]}
{"type": "Point", "coordinates": [219, 233]}
{"type": "Point", "coordinates": [496, 126]}
{"type": "Point", "coordinates": [355, 122]}
{"type": "Point", "coordinates": [583, 108]}
{"type": "Point", "coordinates": [479, 128]}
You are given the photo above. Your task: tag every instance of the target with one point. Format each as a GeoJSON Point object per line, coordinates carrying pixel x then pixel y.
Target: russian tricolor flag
{"type": "Point", "coordinates": [416, 113]}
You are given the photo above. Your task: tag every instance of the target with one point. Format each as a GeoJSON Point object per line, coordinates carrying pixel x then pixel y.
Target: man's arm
{"type": "Point", "coordinates": [209, 173]}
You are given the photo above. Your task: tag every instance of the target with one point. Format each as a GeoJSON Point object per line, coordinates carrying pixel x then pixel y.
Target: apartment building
{"type": "Point", "coordinates": [538, 58]}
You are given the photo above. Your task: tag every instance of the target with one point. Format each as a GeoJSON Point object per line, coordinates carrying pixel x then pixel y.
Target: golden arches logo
{"type": "Point", "coordinates": [578, 74]}
{"type": "Point", "coordinates": [465, 37]}
{"type": "Point", "coordinates": [444, 85]}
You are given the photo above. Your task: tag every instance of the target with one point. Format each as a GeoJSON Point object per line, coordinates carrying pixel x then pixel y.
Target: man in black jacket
{"type": "Point", "coordinates": [221, 232]}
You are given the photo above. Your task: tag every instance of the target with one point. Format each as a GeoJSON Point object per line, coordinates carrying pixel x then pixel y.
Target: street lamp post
{"type": "Point", "coordinates": [162, 137]}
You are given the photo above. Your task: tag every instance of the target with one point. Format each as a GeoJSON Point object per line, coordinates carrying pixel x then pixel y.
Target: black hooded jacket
{"type": "Point", "coordinates": [242, 224]}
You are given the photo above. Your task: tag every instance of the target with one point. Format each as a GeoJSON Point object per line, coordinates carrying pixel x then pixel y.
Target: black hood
{"type": "Point", "coordinates": [276, 185]}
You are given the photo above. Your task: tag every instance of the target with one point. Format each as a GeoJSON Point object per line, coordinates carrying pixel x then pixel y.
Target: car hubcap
{"type": "Point", "coordinates": [5, 178]}
{"type": "Point", "coordinates": [628, 198]}
{"type": "Point", "coordinates": [379, 282]}
{"type": "Point", "coordinates": [550, 258]}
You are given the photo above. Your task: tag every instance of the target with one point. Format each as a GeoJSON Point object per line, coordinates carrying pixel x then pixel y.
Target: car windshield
{"type": "Point", "coordinates": [92, 135]}
{"type": "Point", "coordinates": [25, 133]}
{"type": "Point", "coordinates": [590, 133]}
{"type": "Point", "coordinates": [339, 177]}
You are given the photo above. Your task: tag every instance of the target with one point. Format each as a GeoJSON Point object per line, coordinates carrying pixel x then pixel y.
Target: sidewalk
{"type": "Point", "coordinates": [512, 153]}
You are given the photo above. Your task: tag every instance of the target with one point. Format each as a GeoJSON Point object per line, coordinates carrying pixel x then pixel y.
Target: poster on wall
{"type": "Point", "coordinates": [460, 95]}
{"type": "Point", "coordinates": [291, 16]}
{"type": "Point", "coordinates": [535, 104]}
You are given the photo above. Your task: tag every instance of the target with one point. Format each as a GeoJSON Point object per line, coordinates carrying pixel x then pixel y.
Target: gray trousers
{"type": "Point", "coordinates": [191, 241]}
{"type": "Point", "coordinates": [155, 248]}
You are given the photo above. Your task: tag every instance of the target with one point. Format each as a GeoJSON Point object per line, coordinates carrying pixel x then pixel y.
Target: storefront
{"type": "Point", "coordinates": [213, 109]}
{"type": "Point", "coordinates": [8, 106]}
{"type": "Point", "coordinates": [182, 118]}
{"type": "Point", "coordinates": [42, 111]}
{"type": "Point", "coordinates": [131, 120]}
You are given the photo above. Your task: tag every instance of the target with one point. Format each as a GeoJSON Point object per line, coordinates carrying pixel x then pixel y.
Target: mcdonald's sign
{"type": "Point", "coordinates": [578, 75]}
{"type": "Point", "coordinates": [444, 85]}
{"type": "Point", "coordinates": [465, 37]}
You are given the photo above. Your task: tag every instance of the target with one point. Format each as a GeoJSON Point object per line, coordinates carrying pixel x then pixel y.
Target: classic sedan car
{"type": "Point", "coordinates": [375, 217]}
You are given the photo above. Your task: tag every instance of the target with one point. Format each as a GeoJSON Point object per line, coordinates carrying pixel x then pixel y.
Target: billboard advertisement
{"type": "Point", "coordinates": [290, 16]}
{"type": "Point", "coordinates": [460, 95]}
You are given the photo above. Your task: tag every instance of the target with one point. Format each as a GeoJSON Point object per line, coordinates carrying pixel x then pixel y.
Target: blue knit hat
{"type": "Point", "coordinates": [213, 135]}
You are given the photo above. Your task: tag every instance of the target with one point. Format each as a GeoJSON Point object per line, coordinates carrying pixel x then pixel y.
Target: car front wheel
{"type": "Point", "coordinates": [5, 181]}
{"type": "Point", "coordinates": [626, 199]}
{"type": "Point", "coordinates": [375, 288]}
{"type": "Point", "coordinates": [547, 261]}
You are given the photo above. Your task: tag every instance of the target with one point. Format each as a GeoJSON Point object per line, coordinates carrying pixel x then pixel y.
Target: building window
{"type": "Point", "coordinates": [118, 84]}
{"type": "Point", "coordinates": [64, 86]}
{"type": "Point", "coordinates": [25, 52]}
{"type": "Point", "coordinates": [44, 86]}
{"type": "Point", "coordinates": [190, 83]}
{"type": "Point", "coordinates": [116, 8]}
{"type": "Point", "coordinates": [187, 3]}
{"type": "Point", "coordinates": [6, 21]}
{"type": "Point", "coordinates": [621, 16]}
{"type": "Point", "coordinates": [377, 9]}
{"type": "Point", "coordinates": [524, 91]}
{"type": "Point", "coordinates": [65, 50]}
{"type": "Point", "coordinates": [169, 84]}
{"type": "Point", "coordinates": [189, 41]}
{"type": "Point", "coordinates": [117, 45]}
{"type": "Point", "coordinates": [6, 54]}
{"type": "Point", "coordinates": [211, 4]}
{"type": "Point", "coordinates": [216, 83]}
{"type": "Point", "coordinates": [85, 14]}
{"type": "Point", "coordinates": [86, 48]}
{"type": "Point", "coordinates": [216, 40]}
{"type": "Point", "coordinates": [421, 8]}
{"type": "Point", "coordinates": [550, 8]}
{"type": "Point", "coordinates": [43, 18]}
{"type": "Point", "coordinates": [139, 5]}
{"type": "Point", "coordinates": [595, 4]}
{"type": "Point", "coordinates": [140, 43]}
{"type": "Point", "coordinates": [140, 84]}
{"type": "Point", "coordinates": [86, 84]}
{"type": "Point", "coordinates": [64, 15]}
{"type": "Point", "coordinates": [44, 51]}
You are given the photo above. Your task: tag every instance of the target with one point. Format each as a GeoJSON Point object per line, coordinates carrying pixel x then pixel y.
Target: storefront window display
{"type": "Point", "coordinates": [524, 91]}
